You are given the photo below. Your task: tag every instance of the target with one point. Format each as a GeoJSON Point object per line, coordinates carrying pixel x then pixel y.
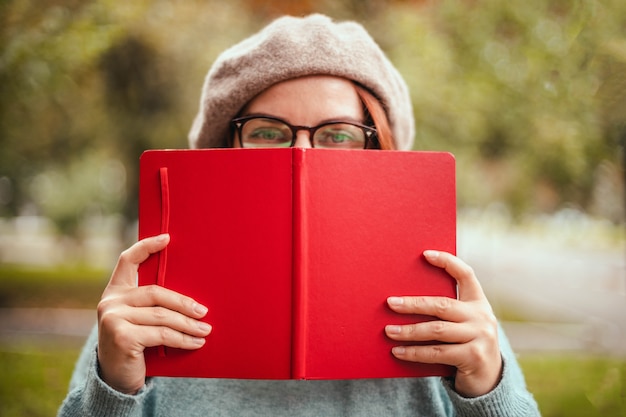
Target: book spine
{"type": "Point", "coordinates": [299, 262]}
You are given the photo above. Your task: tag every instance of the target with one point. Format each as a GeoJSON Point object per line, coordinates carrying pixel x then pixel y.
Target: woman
{"type": "Point", "coordinates": [310, 83]}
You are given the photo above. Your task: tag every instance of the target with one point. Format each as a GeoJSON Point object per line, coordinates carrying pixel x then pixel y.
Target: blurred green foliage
{"type": "Point", "coordinates": [511, 88]}
{"type": "Point", "coordinates": [35, 379]}
{"type": "Point", "coordinates": [61, 287]}
{"type": "Point", "coordinates": [584, 386]}
{"type": "Point", "coordinates": [530, 96]}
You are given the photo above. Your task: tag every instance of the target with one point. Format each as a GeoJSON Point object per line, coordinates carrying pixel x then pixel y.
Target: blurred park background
{"type": "Point", "coordinates": [529, 95]}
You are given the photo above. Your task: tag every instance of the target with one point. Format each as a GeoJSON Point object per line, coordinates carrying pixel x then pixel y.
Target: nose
{"type": "Point", "coordinates": [303, 139]}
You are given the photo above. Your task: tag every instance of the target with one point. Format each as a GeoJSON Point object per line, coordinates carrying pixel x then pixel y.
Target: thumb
{"type": "Point", "coordinates": [469, 286]}
{"type": "Point", "coordinates": [125, 272]}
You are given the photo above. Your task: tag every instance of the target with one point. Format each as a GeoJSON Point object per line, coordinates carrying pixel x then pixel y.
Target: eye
{"type": "Point", "coordinates": [339, 136]}
{"type": "Point", "coordinates": [261, 132]}
{"type": "Point", "coordinates": [266, 133]}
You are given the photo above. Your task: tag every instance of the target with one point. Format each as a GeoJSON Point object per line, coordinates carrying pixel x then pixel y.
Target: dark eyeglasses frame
{"type": "Point", "coordinates": [370, 133]}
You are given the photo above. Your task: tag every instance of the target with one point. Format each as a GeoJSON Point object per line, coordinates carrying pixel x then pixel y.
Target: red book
{"type": "Point", "coordinates": [294, 252]}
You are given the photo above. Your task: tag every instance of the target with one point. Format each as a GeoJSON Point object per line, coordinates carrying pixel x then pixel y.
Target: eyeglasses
{"type": "Point", "coordinates": [271, 132]}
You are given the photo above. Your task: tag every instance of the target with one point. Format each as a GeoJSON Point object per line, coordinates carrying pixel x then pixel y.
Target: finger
{"type": "Point", "coordinates": [445, 308]}
{"type": "Point", "coordinates": [155, 295]}
{"type": "Point", "coordinates": [126, 269]}
{"type": "Point", "coordinates": [469, 286]}
{"type": "Point", "coordinates": [437, 353]}
{"type": "Point", "coordinates": [166, 336]}
{"type": "Point", "coordinates": [436, 330]}
{"type": "Point", "coordinates": [133, 338]}
{"type": "Point", "coordinates": [162, 317]}
{"type": "Point", "coordinates": [133, 329]}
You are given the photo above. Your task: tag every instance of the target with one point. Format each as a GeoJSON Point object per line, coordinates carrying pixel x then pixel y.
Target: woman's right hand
{"type": "Point", "coordinates": [132, 318]}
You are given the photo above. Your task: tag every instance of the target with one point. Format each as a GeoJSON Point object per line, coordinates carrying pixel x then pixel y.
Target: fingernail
{"type": "Point", "coordinates": [163, 237]}
{"type": "Point", "coordinates": [398, 350]}
{"type": "Point", "coordinates": [200, 309]}
{"type": "Point", "coordinates": [395, 301]}
{"type": "Point", "coordinates": [199, 341]}
{"type": "Point", "coordinates": [431, 254]}
{"type": "Point", "coordinates": [204, 327]}
{"type": "Point", "coordinates": [393, 329]}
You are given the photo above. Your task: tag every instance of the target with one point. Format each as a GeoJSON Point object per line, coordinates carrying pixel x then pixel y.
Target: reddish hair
{"type": "Point", "coordinates": [378, 116]}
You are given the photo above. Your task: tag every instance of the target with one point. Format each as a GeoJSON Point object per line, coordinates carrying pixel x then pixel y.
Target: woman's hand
{"type": "Point", "coordinates": [466, 327]}
{"type": "Point", "coordinates": [132, 318]}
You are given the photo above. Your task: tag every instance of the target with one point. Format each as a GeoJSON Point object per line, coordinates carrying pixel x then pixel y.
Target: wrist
{"type": "Point", "coordinates": [124, 387]}
{"type": "Point", "coordinates": [479, 384]}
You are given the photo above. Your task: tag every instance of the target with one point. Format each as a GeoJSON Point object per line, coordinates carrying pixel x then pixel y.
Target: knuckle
{"type": "Point", "coordinates": [152, 292]}
{"type": "Point", "coordinates": [441, 305]}
{"type": "Point", "coordinates": [131, 254]}
{"type": "Point", "coordinates": [186, 303]}
{"type": "Point", "coordinates": [408, 330]}
{"type": "Point", "coordinates": [489, 332]}
{"type": "Point", "coordinates": [476, 353]}
{"type": "Point", "coordinates": [159, 314]}
{"type": "Point", "coordinates": [415, 302]}
{"type": "Point", "coordinates": [438, 327]}
{"type": "Point", "coordinates": [467, 270]}
{"type": "Point", "coordinates": [105, 317]}
{"type": "Point", "coordinates": [103, 307]}
{"type": "Point", "coordinates": [489, 323]}
{"type": "Point", "coordinates": [491, 319]}
{"type": "Point", "coordinates": [419, 303]}
{"type": "Point", "coordinates": [126, 256]}
{"type": "Point", "coordinates": [191, 324]}
{"type": "Point", "coordinates": [434, 353]}
{"type": "Point", "coordinates": [470, 270]}
{"type": "Point", "coordinates": [166, 335]}
{"type": "Point", "coordinates": [107, 311]}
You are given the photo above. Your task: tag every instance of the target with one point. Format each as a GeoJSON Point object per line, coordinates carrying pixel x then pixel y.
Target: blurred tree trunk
{"type": "Point", "coordinates": [612, 97]}
{"type": "Point", "coordinates": [138, 93]}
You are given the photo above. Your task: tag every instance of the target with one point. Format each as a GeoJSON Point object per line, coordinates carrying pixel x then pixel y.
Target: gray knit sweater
{"type": "Point", "coordinates": [172, 397]}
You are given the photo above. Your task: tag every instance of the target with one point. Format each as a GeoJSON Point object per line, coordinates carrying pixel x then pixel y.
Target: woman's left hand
{"type": "Point", "coordinates": [466, 327]}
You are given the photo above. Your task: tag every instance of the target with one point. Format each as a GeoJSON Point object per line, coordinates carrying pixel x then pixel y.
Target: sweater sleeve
{"type": "Point", "coordinates": [510, 398]}
{"type": "Point", "coordinates": [90, 396]}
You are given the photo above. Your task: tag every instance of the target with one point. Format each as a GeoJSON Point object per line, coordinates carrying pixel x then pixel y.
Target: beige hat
{"type": "Point", "coordinates": [292, 47]}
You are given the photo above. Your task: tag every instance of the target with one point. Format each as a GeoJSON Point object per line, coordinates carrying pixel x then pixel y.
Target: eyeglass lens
{"type": "Point", "coordinates": [269, 133]}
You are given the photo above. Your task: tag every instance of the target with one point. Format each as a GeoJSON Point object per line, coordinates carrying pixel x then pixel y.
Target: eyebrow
{"type": "Point", "coordinates": [321, 122]}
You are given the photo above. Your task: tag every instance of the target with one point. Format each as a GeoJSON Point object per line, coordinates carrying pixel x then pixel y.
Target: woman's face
{"type": "Point", "coordinates": [308, 101]}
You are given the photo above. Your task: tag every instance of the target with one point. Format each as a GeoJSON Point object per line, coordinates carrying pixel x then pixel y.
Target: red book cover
{"type": "Point", "coordinates": [295, 252]}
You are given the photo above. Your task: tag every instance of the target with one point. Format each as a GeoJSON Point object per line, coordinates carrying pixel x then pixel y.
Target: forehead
{"type": "Point", "coordinates": [309, 100]}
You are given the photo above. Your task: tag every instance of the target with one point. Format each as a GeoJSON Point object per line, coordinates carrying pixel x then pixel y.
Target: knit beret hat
{"type": "Point", "coordinates": [292, 47]}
